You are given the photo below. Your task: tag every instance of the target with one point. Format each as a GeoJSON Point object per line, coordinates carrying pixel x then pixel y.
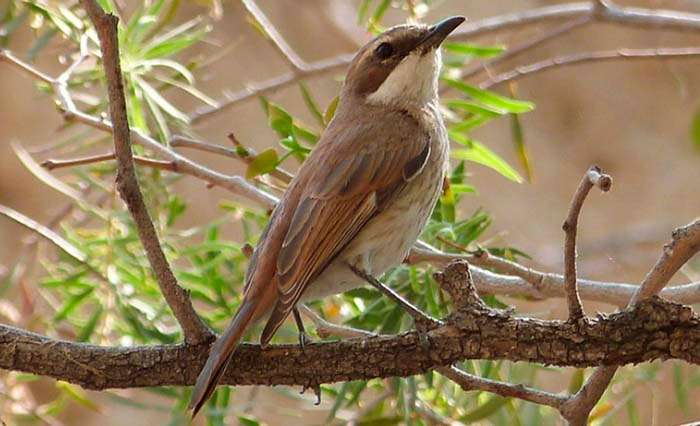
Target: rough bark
{"type": "Point", "coordinates": [654, 329]}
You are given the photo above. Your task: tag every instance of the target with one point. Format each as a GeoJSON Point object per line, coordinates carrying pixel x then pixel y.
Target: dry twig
{"type": "Point", "coordinates": [193, 328]}
{"type": "Point", "coordinates": [593, 177]}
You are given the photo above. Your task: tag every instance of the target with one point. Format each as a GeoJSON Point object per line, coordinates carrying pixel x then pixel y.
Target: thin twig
{"type": "Point", "coordinates": [194, 329]}
{"type": "Point", "coordinates": [593, 177]}
{"type": "Point", "coordinates": [559, 31]}
{"type": "Point", "coordinates": [640, 17]}
{"type": "Point", "coordinates": [470, 382]}
{"type": "Point", "coordinates": [51, 164]}
{"type": "Point", "coordinates": [327, 329]}
{"type": "Point", "coordinates": [578, 58]}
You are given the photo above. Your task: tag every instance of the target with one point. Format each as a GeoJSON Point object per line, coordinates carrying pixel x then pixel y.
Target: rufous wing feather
{"type": "Point", "coordinates": [354, 178]}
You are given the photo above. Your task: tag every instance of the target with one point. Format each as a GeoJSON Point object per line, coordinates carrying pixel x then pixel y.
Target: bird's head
{"type": "Point", "coordinates": [400, 67]}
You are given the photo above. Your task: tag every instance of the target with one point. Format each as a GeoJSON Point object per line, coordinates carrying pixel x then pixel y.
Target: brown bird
{"type": "Point", "coordinates": [361, 198]}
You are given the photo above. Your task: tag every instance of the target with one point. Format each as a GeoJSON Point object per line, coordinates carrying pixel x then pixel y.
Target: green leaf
{"type": "Point", "coordinates": [265, 162]}
{"type": "Point", "coordinates": [470, 124]}
{"type": "Point", "coordinates": [247, 421]}
{"type": "Point", "coordinates": [484, 410]}
{"type": "Point", "coordinates": [72, 303]}
{"type": "Point", "coordinates": [474, 108]}
{"type": "Point", "coordinates": [338, 403]}
{"type": "Point", "coordinates": [89, 327]}
{"type": "Point", "coordinates": [311, 104]}
{"type": "Point", "coordinates": [576, 381]}
{"type": "Point", "coordinates": [447, 205]}
{"type": "Point", "coordinates": [695, 128]}
{"type": "Point", "coordinates": [330, 110]}
{"type": "Point", "coordinates": [162, 103]}
{"type": "Point", "coordinates": [491, 99]}
{"type": "Point", "coordinates": [516, 131]}
{"type": "Point", "coordinates": [632, 413]}
{"type": "Point", "coordinates": [379, 12]}
{"type": "Point", "coordinates": [480, 154]}
{"type": "Point", "coordinates": [279, 119]}
{"type": "Point", "coordinates": [680, 387]}
{"type": "Point", "coordinates": [175, 40]}
{"type": "Point", "coordinates": [473, 50]}
{"type": "Point", "coordinates": [77, 395]}
{"type": "Point", "coordinates": [363, 10]}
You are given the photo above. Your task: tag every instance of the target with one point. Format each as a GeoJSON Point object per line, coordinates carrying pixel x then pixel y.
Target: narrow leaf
{"type": "Point", "coordinates": [264, 162]}
{"type": "Point", "coordinates": [490, 98]}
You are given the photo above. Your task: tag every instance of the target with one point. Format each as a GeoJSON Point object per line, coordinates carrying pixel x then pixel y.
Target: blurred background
{"type": "Point", "coordinates": [631, 117]}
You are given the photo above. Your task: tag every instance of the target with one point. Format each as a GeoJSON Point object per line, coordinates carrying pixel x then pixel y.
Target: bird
{"type": "Point", "coordinates": [361, 198]}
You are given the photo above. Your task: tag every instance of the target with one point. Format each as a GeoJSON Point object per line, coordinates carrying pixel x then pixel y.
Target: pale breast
{"type": "Point", "coordinates": [386, 239]}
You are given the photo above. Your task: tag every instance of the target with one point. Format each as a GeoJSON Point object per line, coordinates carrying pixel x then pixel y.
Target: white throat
{"type": "Point", "coordinates": [413, 82]}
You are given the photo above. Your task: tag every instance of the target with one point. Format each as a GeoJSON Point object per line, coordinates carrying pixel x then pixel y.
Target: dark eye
{"type": "Point", "coordinates": [384, 50]}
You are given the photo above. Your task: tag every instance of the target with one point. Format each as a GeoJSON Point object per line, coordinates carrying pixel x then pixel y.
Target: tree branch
{"type": "Point", "coordinates": [470, 382]}
{"type": "Point", "coordinates": [607, 12]}
{"type": "Point", "coordinates": [51, 164]}
{"type": "Point", "coordinates": [654, 329]}
{"type": "Point", "coordinates": [685, 243]}
{"type": "Point", "coordinates": [578, 58]}
{"type": "Point", "coordinates": [593, 177]}
{"type": "Point", "coordinates": [235, 184]}
{"type": "Point", "coordinates": [194, 329]}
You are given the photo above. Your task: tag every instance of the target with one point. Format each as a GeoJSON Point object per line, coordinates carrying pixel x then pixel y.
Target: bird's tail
{"type": "Point", "coordinates": [220, 355]}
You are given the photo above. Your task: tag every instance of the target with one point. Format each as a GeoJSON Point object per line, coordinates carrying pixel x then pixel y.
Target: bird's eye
{"type": "Point", "coordinates": [384, 50]}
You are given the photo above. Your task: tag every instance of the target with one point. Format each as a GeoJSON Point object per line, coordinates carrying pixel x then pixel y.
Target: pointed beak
{"type": "Point", "coordinates": [439, 32]}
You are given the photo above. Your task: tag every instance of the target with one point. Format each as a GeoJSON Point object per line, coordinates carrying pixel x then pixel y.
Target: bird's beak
{"type": "Point", "coordinates": [439, 32]}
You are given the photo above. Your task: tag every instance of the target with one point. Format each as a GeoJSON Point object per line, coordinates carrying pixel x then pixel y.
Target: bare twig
{"type": "Point", "coordinates": [593, 177]}
{"type": "Point", "coordinates": [685, 243]}
{"type": "Point", "coordinates": [194, 329]}
{"type": "Point", "coordinates": [327, 329]}
{"type": "Point", "coordinates": [51, 164]}
{"type": "Point", "coordinates": [578, 58]}
{"type": "Point", "coordinates": [527, 45]}
{"type": "Point", "coordinates": [470, 382]}
{"type": "Point", "coordinates": [640, 17]}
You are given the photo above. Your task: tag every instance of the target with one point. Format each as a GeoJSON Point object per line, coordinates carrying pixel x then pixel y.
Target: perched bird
{"type": "Point", "coordinates": [361, 198]}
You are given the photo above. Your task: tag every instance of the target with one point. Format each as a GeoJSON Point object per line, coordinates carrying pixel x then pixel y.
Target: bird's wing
{"type": "Point", "coordinates": [355, 174]}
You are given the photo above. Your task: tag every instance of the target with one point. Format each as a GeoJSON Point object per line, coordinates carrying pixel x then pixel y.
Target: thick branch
{"type": "Point", "coordinates": [685, 243]}
{"type": "Point", "coordinates": [178, 299]}
{"type": "Point", "coordinates": [654, 329]}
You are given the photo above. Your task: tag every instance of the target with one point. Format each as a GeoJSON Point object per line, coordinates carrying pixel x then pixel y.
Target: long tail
{"type": "Point", "coordinates": [220, 355]}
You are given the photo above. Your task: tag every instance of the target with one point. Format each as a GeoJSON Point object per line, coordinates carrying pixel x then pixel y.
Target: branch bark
{"type": "Point", "coordinates": [593, 177]}
{"type": "Point", "coordinates": [685, 243]}
{"type": "Point", "coordinates": [653, 329]}
{"type": "Point", "coordinates": [193, 328]}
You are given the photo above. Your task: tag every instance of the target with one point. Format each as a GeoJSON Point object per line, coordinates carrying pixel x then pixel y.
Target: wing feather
{"type": "Point", "coordinates": [353, 175]}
